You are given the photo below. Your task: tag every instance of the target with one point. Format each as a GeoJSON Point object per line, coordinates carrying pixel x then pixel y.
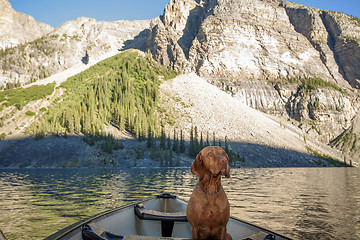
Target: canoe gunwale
{"type": "Point", "coordinates": [79, 224]}
{"type": "Point", "coordinates": [261, 228]}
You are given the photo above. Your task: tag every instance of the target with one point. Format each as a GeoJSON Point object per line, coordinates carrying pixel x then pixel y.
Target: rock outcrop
{"type": "Point", "coordinates": [247, 47]}
{"type": "Point", "coordinates": [242, 40]}
{"type": "Point", "coordinates": [349, 141]}
{"type": "Point", "coordinates": [74, 42]}
{"type": "Point", "coordinates": [335, 35]}
{"type": "Point", "coordinates": [17, 28]}
{"type": "Point", "coordinates": [262, 141]}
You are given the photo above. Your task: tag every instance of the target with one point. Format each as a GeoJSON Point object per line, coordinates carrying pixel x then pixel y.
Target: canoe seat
{"type": "Point", "coordinates": [147, 214]}
{"type": "Point", "coordinates": [167, 218]}
{"type": "Point", "coordinates": [91, 231]}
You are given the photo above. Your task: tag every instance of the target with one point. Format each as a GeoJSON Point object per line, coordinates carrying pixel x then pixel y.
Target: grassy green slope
{"type": "Point", "coordinates": [21, 96]}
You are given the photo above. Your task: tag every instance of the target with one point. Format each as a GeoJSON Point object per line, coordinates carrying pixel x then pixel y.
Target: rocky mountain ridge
{"type": "Point", "coordinates": [241, 39]}
{"type": "Point", "coordinates": [17, 27]}
{"type": "Point", "coordinates": [267, 54]}
{"type": "Point", "coordinates": [275, 56]}
{"type": "Point", "coordinates": [262, 140]}
{"type": "Point", "coordinates": [73, 43]}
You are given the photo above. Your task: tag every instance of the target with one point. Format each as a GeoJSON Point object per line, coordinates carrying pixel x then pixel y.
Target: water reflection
{"type": "Point", "coordinates": [301, 203]}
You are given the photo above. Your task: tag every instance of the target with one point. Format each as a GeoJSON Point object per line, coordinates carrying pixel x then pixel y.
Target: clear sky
{"type": "Point", "coordinates": [57, 12]}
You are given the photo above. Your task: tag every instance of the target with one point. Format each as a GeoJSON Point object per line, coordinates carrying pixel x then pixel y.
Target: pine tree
{"type": "Point", "coordinates": [149, 143]}
{"type": "Point", "coordinates": [176, 147]}
{"type": "Point", "coordinates": [226, 145]}
{"type": "Point", "coordinates": [201, 141]}
{"type": "Point", "coordinates": [77, 122]}
{"type": "Point", "coordinates": [182, 142]}
{"type": "Point", "coordinates": [214, 140]}
{"type": "Point", "coordinates": [163, 139]}
{"type": "Point", "coordinates": [174, 141]}
{"type": "Point", "coordinates": [192, 143]}
{"type": "Point", "coordinates": [207, 139]}
{"type": "Point", "coordinates": [197, 146]}
{"type": "Point", "coordinates": [161, 162]}
{"type": "Point", "coordinates": [168, 143]}
{"type": "Point", "coordinates": [137, 128]}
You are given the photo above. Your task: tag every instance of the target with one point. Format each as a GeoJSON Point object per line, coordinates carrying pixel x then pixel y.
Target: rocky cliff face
{"type": "Point", "coordinates": [349, 141]}
{"type": "Point", "coordinates": [242, 39]}
{"type": "Point", "coordinates": [334, 35]}
{"type": "Point", "coordinates": [75, 42]}
{"type": "Point", "coordinates": [247, 47]}
{"type": "Point", "coordinates": [17, 28]}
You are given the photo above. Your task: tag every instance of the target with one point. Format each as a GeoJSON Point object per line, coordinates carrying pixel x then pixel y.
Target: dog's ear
{"type": "Point", "coordinates": [197, 167]}
{"type": "Point", "coordinates": [227, 169]}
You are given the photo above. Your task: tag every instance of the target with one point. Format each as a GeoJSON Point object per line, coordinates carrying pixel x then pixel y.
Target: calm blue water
{"type": "Point", "coordinates": [302, 203]}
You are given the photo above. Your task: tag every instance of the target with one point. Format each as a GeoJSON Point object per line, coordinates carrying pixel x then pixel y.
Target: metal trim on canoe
{"type": "Point", "coordinates": [2, 236]}
{"type": "Point", "coordinates": [261, 228]}
{"type": "Point", "coordinates": [63, 232]}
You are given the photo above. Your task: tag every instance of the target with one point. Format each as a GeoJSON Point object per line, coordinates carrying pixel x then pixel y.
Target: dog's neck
{"type": "Point", "coordinates": [210, 185]}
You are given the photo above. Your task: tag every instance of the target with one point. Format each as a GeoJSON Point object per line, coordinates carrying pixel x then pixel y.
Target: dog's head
{"type": "Point", "coordinates": [212, 161]}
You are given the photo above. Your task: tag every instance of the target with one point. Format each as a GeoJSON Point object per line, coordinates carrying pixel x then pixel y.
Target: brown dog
{"type": "Point", "coordinates": [208, 210]}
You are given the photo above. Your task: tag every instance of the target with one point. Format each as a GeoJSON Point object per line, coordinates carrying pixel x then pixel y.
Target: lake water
{"type": "Point", "coordinates": [302, 203]}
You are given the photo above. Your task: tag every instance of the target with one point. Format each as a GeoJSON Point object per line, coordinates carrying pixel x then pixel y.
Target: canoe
{"type": "Point", "coordinates": [2, 236]}
{"type": "Point", "coordinates": [162, 217]}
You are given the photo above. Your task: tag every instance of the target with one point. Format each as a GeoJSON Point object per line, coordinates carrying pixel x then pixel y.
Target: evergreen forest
{"type": "Point", "coordinates": [122, 91]}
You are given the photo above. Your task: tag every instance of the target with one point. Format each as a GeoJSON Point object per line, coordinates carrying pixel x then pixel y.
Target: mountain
{"type": "Point", "coordinates": [74, 43]}
{"type": "Point", "coordinates": [263, 141]}
{"type": "Point", "coordinates": [130, 93]}
{"type": "Point", "coordinates": [295, 64]}
{"type": "Point", "coordinates": [276, 56]}
{"type": "Point", "coordinates": [17, 28]}
{"type": "Point", "coordinates": [257, 40]}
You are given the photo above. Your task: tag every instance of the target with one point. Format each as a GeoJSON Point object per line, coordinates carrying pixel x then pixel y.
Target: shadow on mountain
{"type": "Point", "coordinates": [139, 42]}
{"type": "Point", "coordinates": [302, 19]}
{"type": "Point", "coordinates": [72, 151]}
{"type": "Point", "coordinates": [196, 17]}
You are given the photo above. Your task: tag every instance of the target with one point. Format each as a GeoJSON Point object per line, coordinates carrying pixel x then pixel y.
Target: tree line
{"type": "Point", "coordinates": [164, 146]}
{"type": "Point", "coordinates": [121, 91]}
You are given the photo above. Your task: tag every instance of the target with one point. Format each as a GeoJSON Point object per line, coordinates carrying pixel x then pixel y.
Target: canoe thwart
{"type": "Point", "coordinates": [147, 214]}
{"type": "Point", "coordinates": [167, 218]}
{"type": "Point", "coordinates": [166, 195]}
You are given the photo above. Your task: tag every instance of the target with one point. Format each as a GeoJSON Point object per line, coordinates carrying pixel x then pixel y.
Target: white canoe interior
{"type": "Point", "coordinates": [163, 217]}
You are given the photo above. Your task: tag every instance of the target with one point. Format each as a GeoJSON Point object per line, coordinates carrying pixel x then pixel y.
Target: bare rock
{"type": "Point", "coordinates": [349, 142]}
{"type": "Point", "coordinates": [245, 47]}
{"type": "Point", "coordinates": [68, 46]}
{"type": "Point", "coordinates": [17, 28]}
{"type": "Point", "coordinates": [257, 40]}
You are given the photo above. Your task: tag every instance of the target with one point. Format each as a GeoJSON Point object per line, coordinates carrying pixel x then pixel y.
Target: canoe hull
{"type": "Point", "coordinates": [123, 221]}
